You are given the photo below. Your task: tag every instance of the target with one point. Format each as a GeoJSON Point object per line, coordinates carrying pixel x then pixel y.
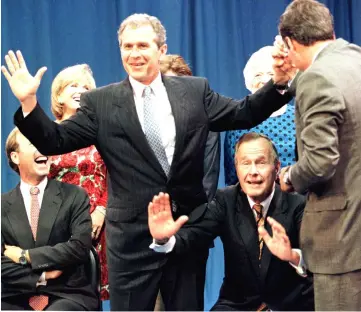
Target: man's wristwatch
{"type": "Point", "coordinates": [22, 258]}
{"type": "Point", "coordinates": [161, 241]}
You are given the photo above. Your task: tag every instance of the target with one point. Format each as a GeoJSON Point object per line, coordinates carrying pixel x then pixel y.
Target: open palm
{"type": "Point", "coordinates": [160, 219]}
{"type": "Point", "coordinates": [278, 244]}
{"type": "Point", "coordinates": [22, 84]}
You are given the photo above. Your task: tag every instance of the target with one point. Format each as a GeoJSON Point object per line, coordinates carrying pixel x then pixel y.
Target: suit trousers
{"type": "Point", "coordinates": [180, 281]}
{"type": "Point", "coordinates": [338, 292]}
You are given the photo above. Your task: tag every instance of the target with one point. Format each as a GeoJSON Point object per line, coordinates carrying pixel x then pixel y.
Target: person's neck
{"type": "Point", "coordinates": [310, 52]}
{"type": "Point", "coordinates": [66, 116]}
{"type": "Point", "coordinates": [32, 180]}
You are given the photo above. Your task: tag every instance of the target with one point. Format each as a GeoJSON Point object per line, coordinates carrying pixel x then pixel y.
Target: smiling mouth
{"type": "Point", "coordinates": [41, 160]}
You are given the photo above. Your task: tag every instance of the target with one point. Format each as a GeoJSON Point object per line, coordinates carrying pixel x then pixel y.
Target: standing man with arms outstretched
{"type": "Point", "coordinates": [151, 132]}
{"type": "Point", "coordinates": [328, 130]}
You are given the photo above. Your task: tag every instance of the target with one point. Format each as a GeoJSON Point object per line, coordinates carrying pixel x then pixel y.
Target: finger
{"type": "Point", "coordinates": [276, 225]}
{"type": "Point", "coordinates": [40, 73]}
{"type": "Point", "coordinates": [6, 73]}
{"type": "Point", "coordinates": [180, 221]}
{"type": "Point", "coordinates": [14, 60]}
{"type": "Point", "coordinates": [21, 60]}
{"type": "Point", "coordinates": [264, 234]}
{"type": "Point", "coordinates": [156, 203]}
{"type": "Point", "coordinates": [165, 205]}
{"type": "Point", "coordinates": [9, 64]}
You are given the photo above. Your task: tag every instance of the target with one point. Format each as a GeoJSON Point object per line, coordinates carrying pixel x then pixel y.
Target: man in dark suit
{"type": "Point", "coordinates": [45, 236]}
{"type": "Point", "coordinates": [328, 131]}
{"type": "Point", "coordinates": [151, 132]}
{"type": "Point", "coordinates": [254, 278]}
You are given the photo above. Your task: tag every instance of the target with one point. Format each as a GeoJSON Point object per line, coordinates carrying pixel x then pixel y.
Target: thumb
{"type": "Point", "coordinates": [180, 221]}
{"type": "Point", "coordinates": [40, 73]}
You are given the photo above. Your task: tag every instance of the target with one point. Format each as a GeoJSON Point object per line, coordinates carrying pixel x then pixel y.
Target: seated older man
{"type": "Point", "coordinates": [254, 279]}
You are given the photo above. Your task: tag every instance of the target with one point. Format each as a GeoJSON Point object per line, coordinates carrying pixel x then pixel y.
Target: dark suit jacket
{"type": "Point", "coordinates": [63, 243]}
{"type": "Point", "coordinates": [108, 119]}
{"type": "Point", "coordinates": [249, 282]}
{"type": "Point", "coordinates": [212, 159]}
{"type": "Point", "coordinates": [328, 130]}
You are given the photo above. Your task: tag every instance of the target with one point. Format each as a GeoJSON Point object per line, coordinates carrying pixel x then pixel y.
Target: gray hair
{"type": "Point", "coordinates": [137, 20]}
{"type": "Point", "coordinates": [260, 61]}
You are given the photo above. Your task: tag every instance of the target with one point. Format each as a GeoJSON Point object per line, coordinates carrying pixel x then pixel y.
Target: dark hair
{"type": "Point", "coordinates": [306, 21]}
{"type": "Point", "coordinates": [252, 136]}
{"type": "Point", "coordinates": [176, 64]}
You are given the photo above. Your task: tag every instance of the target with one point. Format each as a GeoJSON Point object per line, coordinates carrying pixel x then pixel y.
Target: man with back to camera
{"type": "Point", "coordinates": [328, 135]}
{"type": "Point", "coordinates": [151, 132]}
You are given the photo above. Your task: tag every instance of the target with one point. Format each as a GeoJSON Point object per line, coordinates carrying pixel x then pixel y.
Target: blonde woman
{"type": "Point", "coordinates": [83, 167]}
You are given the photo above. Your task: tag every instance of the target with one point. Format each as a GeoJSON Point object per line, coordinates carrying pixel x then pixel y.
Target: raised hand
{"type": "Point", "coordinates": [278, 244]}
{"type": "Point", "coordinates": [160, 219]}
{"type": "Point", "coordinates": [22, 84]}
{"type": "Point", "coordinates": [283, 69]}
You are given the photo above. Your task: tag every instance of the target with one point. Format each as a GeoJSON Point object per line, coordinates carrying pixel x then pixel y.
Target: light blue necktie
{"type": "Point", "coordinates": [152, 131]}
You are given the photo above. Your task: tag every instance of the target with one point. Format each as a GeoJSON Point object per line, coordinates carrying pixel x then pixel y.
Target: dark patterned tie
{"type": "Point", "coordinates": [260, 222]}
{"type": "Point", "coordinates": [152, 131]}
{"type": "Point", "coordinates": [37, 303]}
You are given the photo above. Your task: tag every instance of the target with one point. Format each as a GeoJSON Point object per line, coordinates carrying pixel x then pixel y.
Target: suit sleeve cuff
{"type": "Point", "coordinates": [301, 267]}
{"type": "Point", "coordinates": [166, 248]}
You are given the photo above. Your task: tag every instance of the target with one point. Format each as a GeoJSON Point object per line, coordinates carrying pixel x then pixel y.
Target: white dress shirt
{"type": "Point", "coordinates": [162, 109]}
{"type": "Point", "coordinates": [300, 268]}
{"type": "Point", "coordinates": [25, 192]}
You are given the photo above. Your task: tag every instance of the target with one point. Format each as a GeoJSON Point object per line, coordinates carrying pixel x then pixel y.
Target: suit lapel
{"type": "Point", "coordinates": [277, 210]}
{"type": "Point", "coordinates": [247, 228]}
{"type": "Point", "coordinates": [176, 95]}
{"type": "Point", "coordinates": [18, 219]}
{"type": "Point", "coordinates": [48, 212]}
{"type": "Point", "coordinates": [129, 121]}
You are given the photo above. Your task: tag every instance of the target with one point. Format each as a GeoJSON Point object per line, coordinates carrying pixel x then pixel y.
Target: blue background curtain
{"type": "Point", "coordinates": [215, 36]}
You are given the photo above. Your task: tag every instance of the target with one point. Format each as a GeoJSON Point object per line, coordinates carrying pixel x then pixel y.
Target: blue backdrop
{"type": "Point", "coordinates": [215, 36]}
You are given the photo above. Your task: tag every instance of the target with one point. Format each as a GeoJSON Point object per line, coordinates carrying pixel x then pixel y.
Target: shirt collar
{"type": "Point", "coordinates": [25, 187]}
{"type": "Point", "coordinates": [264, 203]}
{"type": "Point", "coordinates": [138, 87]}
{"type": "Point", "coordinates": [319, 50]}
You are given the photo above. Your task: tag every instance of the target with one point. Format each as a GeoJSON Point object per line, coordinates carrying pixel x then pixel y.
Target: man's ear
{"type": "Point", "coordinates": [292, 44]}
{"type": "Point", "coordinates": [163, 49]}
{"type": "Point", "coordinates": [15, 158]}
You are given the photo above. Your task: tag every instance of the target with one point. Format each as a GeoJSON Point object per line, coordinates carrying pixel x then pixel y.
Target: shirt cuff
{"type": "Point", "coordinates": [166, 248]}
{"type": "Point", "coordinates": [301, 267]}
{"type": "Point", "coordinates": [42, 281]}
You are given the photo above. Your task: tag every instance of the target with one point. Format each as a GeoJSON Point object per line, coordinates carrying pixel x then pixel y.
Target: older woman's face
{"type": "Point", "coordinates": [70, 95]}
{"type": "Point", "coordinates": [260, 79]}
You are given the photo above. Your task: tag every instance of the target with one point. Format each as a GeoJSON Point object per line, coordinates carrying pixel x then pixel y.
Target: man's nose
{"type": "Point", "coordinates": [253, 169]}
{"type": "Point", "coordinates": [134, 52]}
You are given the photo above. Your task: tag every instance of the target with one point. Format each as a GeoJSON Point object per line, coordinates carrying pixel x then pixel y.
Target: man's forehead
{"type": "Point", "coordinates": [134, 32]}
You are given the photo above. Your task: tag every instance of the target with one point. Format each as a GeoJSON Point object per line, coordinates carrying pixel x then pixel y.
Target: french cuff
{"type": "Point", "coordinates": [166, 248]}
{"type": "Point", "coordinates": [42, 281]}
{"type": "Point", "coordinates": [301, 267]}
